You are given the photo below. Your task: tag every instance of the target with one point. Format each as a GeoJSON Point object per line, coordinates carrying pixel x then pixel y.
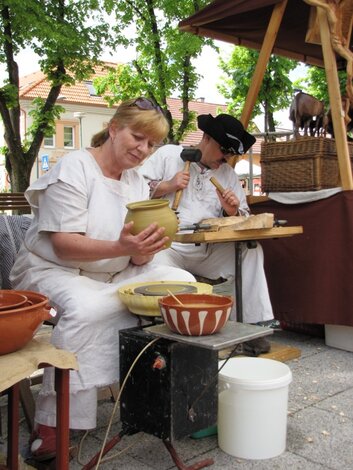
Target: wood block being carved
{"type": "Point", "coordinates": [264, 220]}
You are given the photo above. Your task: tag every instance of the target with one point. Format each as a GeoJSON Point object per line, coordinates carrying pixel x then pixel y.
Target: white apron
{"type": "Point", "coordinates": [84, 293]}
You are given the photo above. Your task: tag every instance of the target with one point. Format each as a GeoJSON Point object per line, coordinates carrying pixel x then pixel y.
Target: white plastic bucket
{"type": "Point", "coordinates": [252, 407]}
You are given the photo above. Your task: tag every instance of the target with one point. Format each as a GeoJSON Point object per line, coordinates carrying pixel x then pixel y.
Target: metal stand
{"type": "Point", "coordinates": [178, 462]}
{"type": "Point", "coordinates": [173, 453]}
{"type": "Point", "coordinates": [238, 282]}
{"type": "Point", "coordinates": [109, 445]}
{"type": "Point", "coordinates": [238, 276]}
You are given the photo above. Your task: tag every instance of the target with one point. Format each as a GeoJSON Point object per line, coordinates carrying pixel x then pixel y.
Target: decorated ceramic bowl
{"type": "Point", "coordinates": [195, 314]}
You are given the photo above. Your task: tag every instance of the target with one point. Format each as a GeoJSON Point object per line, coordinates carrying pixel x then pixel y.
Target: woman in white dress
{"type": "Point", "coordinates": [78, 251]}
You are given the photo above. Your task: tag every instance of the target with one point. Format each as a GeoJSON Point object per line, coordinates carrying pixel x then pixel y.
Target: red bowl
{"type": "Point", "coordinates": [18, 325]}
{"type": "Point", "coordinates": [200, 314]}
{"type": "Point", "coordinates": [11, 299]}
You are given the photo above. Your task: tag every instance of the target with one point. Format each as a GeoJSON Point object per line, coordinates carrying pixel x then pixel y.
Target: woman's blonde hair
{"type": "Point", "coordinates": [148, 120]}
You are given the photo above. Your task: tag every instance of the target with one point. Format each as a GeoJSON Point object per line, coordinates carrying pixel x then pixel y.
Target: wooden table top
{"type": "Point", "coordinates": [238, 235]}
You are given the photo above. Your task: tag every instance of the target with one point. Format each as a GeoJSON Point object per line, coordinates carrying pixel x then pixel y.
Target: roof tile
{"type": "Point", "coordinates": [35, 85]}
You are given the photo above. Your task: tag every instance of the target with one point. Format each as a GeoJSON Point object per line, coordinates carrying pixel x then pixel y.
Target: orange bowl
{"type": "Point", "coordinates": [18, 325]}
{"type": "Point", "coordinates": [200, 314]}
{"type": "Point", "coordinates": [11, 299]}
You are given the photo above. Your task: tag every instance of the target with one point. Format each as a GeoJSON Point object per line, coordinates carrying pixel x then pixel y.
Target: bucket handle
{"type": "Point", "coordinates": [191, 411]}
{"type": "Point", "coordinates": [223, 386]}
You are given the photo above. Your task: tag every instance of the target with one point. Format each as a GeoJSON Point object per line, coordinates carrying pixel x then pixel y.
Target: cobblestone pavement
{"type": "Point", "coordinates": [319, 428]}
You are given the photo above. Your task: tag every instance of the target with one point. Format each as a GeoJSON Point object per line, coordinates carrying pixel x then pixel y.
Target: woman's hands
{"type": "Point", "coordinates": [229, 201]}
{"type": "Point", "coordinates": [143, 246]}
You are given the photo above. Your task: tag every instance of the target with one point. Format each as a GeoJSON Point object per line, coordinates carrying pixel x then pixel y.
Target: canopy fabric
{"type": "Point", "coordinates": [244, 22]}
{"type": "Point", "coordinates": [242, 168]}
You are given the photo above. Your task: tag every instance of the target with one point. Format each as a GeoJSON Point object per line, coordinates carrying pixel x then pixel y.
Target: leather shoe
{"type": "Point", "coordinates": [256, 346]}
{"type": "Point", "coordinates": [43, 442]}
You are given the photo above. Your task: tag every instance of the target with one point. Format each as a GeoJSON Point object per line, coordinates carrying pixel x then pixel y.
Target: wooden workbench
{"type": "Point", "coordinates": [237, 235]}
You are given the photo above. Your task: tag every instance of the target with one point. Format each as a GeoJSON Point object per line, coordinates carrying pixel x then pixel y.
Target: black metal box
{"type": "Point", "coordinates": [172, 391]}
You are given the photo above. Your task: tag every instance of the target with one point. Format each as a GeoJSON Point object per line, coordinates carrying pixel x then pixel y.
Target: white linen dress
{"type": "Point", "coordinates": [199, 201]}
{"type": "Point", "coordinates": [74, 196]}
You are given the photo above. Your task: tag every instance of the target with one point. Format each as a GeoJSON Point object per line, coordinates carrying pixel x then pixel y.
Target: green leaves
{"type": "Point", "coordinates": [9, 95]}
{"type": "Point", "coordinates": [68, 36]}
{"type": "Point", "coordinates": [276, 88]}
{"type": "Point", "coordinates": [42, 119]}
{"type": "Point", "coordinates": [163, 64]}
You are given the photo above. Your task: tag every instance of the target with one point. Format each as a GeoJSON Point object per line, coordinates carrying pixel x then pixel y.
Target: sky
{"type": "Point", "coordinates": [206, 65]}
{"type": "Point", "coordinates": [28, 63]}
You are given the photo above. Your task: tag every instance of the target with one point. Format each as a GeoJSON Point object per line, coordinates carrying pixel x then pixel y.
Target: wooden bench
{"type": "Point", "coordinates": [14, 201]}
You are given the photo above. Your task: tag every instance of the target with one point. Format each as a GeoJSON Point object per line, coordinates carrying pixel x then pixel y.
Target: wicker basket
{"type": "Point", "coordinates": [306, 164]}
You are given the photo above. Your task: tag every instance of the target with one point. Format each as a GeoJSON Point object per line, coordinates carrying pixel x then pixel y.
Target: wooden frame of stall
{"type": "Point", "coordinates": [331, 25]}
{"type": "Point", "coordinates": [316, 32]}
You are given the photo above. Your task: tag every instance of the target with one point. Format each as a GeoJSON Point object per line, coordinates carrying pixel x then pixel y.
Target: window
{"type": "Point", "coordinates": [49, 141]}
{"type": "Point", "coordinates": [68, 137]}
{"type": "Point", "coordinates": [91, 89]}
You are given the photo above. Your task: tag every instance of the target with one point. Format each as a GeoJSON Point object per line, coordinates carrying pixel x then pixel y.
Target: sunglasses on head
{"type": "Point", "coordinates": [146, 104]}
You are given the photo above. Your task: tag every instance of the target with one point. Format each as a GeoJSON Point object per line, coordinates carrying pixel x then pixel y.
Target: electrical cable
{"type": "Point", "coordinates": [100, 459]}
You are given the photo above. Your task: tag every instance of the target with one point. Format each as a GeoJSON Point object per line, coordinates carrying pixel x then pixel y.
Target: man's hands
{"type": "Point", "coordinates": [179, 181]}
{"type": "Point", "coordinates": [229, 201]}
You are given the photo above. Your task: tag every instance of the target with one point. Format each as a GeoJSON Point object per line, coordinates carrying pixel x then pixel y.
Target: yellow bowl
{"type": "Point", "coordinates": [148, 305]}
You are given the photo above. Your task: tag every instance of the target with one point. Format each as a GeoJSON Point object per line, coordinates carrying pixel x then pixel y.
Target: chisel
{"type": "Point", "coordinates": [215, 182]}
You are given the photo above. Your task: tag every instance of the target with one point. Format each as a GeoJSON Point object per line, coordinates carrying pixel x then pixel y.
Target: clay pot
{"type": "Point", "coordinates": [144, 213]}
{"type": "Point", "coordinates": [10, 299]}
{"type": "Point", "coordinates": [200, 314]}
{"type": "Point", "coordinates": [18, 325]}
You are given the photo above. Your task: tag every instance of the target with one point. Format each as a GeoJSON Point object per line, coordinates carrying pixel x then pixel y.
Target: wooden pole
{"type": "Point", "coordinates": [337, 112]}
{"type": "Point", "coordinates": [264, 56]}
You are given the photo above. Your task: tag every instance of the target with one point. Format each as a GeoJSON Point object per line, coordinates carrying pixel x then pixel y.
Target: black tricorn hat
{"type": "Point", "coordinates": [227, 131]}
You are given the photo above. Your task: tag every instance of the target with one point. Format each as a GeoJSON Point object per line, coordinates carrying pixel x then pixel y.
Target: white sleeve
{"type": "Point", "coordinates": [63, 208]}
{"type": "Point", "coordinates": [161, 165]}
{"type": "Point", "coordinates": [240, 193]}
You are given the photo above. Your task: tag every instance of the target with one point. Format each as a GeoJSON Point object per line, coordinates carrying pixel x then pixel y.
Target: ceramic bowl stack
{"type": "Point", "coordinates": [141, 298]}
{"type": "Point", "coordinates": [195, 314]}
{"type": "Point", "coordinates": [21, 314]}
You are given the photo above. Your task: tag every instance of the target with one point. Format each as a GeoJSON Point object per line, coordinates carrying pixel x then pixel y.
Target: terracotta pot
{"type": "Point", "coordinates": [144, 213]}
{"type": "Point", "coordinates": [200, 314]}
{"type": "Point", "coordinates": [11, 299]}
{"type": "Point", "coordinates": [18, 325]}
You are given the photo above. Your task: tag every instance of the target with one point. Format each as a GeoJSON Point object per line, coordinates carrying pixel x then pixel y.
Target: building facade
{"type": "Point", "coordinates": [86, 113]}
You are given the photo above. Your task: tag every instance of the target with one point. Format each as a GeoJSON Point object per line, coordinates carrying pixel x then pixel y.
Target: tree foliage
{"type": "Point", "coordinates": [68, 36]}
{"type": "Point", "coordinates": [317, 83]}
{"type": "Point", "coordinates": [163, 65]}
{"type": "Point", "coordinates": [276, 90]}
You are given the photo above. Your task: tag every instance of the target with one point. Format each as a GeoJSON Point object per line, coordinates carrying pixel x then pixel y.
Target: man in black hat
{"type": "Point", "coordinates": [224, 136]}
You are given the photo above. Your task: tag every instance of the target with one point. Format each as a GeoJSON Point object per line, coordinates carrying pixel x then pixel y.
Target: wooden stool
{"type": "Point", "coordinates": [21, 364]}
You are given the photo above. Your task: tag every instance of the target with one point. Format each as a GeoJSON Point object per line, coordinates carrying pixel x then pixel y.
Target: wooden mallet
{"type": "Point", "coordinates": [188, 155]}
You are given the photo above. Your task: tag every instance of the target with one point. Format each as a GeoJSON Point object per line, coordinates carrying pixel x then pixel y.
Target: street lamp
{"type": "Point", "coordinates": [79, 115]}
